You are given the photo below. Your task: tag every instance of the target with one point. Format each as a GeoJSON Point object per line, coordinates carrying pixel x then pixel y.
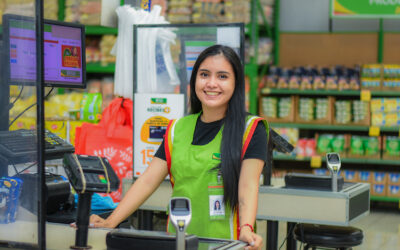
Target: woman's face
{"type": "Point", "coordinates": [215, 83]}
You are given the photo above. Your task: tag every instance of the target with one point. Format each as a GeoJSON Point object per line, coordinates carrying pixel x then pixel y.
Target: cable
{"type": "Point", "coordinates": [19, 115]}
{"type": "Point", "coordinates": [291, 233]}
{"type": "Point", "coordinates": [19, 95]}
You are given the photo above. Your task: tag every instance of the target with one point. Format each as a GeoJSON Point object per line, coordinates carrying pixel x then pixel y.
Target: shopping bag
{"type": "Point", "coordinates": [111, 138]}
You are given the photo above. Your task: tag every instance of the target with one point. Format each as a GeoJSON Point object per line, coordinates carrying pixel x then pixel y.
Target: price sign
{"type": "Point", "coordinates": [316, 161]}
{"type": "Point", "coordinates": [374, 131]}
{"type": "Point", "coordinates": [365, 95]}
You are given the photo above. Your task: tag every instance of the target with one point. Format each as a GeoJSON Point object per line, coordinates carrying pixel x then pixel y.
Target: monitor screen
{"type": "Point", "coordinates": [64, 52]}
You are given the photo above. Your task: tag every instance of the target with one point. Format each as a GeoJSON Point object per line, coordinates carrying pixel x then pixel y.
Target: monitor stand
{"type": "Point", "coordinates": [82, 221]}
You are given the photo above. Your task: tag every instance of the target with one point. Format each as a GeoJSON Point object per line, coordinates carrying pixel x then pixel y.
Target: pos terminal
{"type": "Point", "coordinates": [88, 174]}
{"type": "Point", "coordinates": [180, 214]}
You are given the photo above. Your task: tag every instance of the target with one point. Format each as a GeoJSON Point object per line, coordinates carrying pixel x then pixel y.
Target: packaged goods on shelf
{"type": "Point", "coordinates": [349, 175]}
{"type": "Point", "coordinates": [106, 44]}
{"type": "Point", "coordinates": [365, 176]}
{"type": "Point", "coordinates": [352, 112]}
{"type": "Point", "coordinates": [90, 110]}
{"type": "Point", "coordinates": [385, 112]}
{"type": "Point", "coordinates": [27, 8]}
{"type": "Point", "coordinates": [331, 143]}
{"type": "Point", "coordinates": [380, 177]}
{"type": "Point", "coordinates": [391, 77]}
{"type": "Point", "coordinates": [365, 147]}
{"type": "Point", "coordinates": [179, 11]}
{"type": "Point", "coordinates": [314, 110]}
{"type": "Point", "coordinates": [393, 178]}
{"type": "Point", "coordinates": [86, 12]}
{"type": "Point", "coordinates": [63, 107]}
{"type": "Point", "coordinates": [378, 190]}
{"type": "Point", "coordinates": [391, 147]}
{"type": "Point", "coordinates": [307, 78]}
{"type": "Point", "coordinates": [306, 147]}
{"type": "Point", "coordinates": [276, 109]}
{"type": "Point", "coordinates": [93, 53]}
{"type": "Point", "coordinates": [264, 51]}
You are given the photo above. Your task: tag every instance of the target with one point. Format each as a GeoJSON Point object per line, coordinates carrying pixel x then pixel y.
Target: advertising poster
{"type": "Point", "coordinates": [152, 113]}
{"type": "Point", "coordinates": [365, 8]}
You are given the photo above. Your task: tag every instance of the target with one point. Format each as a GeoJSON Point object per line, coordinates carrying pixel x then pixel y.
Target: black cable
{"type": "Point", "coordinates": [291, 233]}
{"type": "Point", "coordinates": [19, 115]}
{"type": "Point", "coordinates": [28, 167]}
{"type": "Point", "coordinates": [19, 95]}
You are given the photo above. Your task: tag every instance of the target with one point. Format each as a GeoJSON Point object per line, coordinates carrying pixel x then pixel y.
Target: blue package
{"type": "Point", "coordinates": [5, 200]}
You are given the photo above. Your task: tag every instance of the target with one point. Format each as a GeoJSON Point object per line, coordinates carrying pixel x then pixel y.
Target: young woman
{"type": "Point", "coordinates": [216, 153]}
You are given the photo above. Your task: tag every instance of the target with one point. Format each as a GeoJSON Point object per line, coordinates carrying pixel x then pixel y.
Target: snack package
{"type": "Point", "coordinates": [392, 147]}
{"type": "Point", "coordinates": [356, 145]}
{"type": "Point", "coordinates": [91, 107]}
{"type": "Point", "coordinates": [324, 144]}
{"type": "Point", "coordinates": [371, 146]}
{"type": "Point", "coordinates": [5, 201]}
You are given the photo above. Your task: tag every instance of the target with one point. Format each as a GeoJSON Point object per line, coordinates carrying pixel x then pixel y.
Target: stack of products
{"type": "Point", "coordinates": [10, 191]}
{"type": "Point", "coordinates": [86, 12]}
{"type": "Point", "coordinates": [336, 78]}
{"type": "Point", "coordinates": [306, 147]}
{"type": "Point", "coordinates": [210, 11]}
{"type": "Point", "coordinates": [365, 146]}
{"type": "Point", "coordinates": [351, 112]}
{"type": "Point", "coordinates": [371, 76]}
{"type": "Point", "coordinates": [331, 143]}
{"type": "Point", "coordinates": [385, 112]}
{"type": "Point", "coordinates": [99, 49]}
{"type": "Point", "coordinates": [391, 147]}
{"type": "Point", "coordinates": [27, 8]}
{"type": "Point", "coordinates": [179, 11]}
{"type": "Point", "coordinates": [313, 109]}
{"type": "Point", "coordinates": [391, 77]}
{"type": "Point", "coordinates": [264, 50]}
{"type": "Point", "coordinates": [274, 108]}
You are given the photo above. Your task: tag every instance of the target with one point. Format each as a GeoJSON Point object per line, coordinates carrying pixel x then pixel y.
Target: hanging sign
{"type": "Point", "coordinates": [151, 117]}
{"type": "Point", "coordinates": [365, 8]}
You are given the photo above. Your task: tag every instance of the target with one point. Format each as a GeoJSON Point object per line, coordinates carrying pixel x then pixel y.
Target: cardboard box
{"type": "Point", "coordinates": [326, 120]}
{"type": "Point", "coordinates": [289, 118]}
{"type": "Point", "coordinates": [393, 178]}
{"type": "Point", "coordinates": [378, 189]}
{"type": "Point", "coordinates": [365, 176]}
{"type": "Point", "coordinates": [393, 190]}
{"type": "Point", "coordinates": [350, 175]}
{"type": "Point", "coordinates": [379, 177]}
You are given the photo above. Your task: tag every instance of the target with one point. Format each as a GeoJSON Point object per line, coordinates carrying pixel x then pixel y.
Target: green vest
{"type": "Point", "coordinates": [192, 176]}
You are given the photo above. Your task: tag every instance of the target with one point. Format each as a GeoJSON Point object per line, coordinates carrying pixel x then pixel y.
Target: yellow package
{"type": "Point", "coordinates": [57, 127]}
{"type": "Point", "coordinates": [72, 130]}
{"type": "Point", "coordinates": [377, 119]}
{"type": "Point", "coordinates": [23, 123]}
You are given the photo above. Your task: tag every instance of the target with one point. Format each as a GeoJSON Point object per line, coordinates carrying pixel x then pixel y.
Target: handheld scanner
{"type": "Point", "coordinates": [180, 213]}
{"type": "Point", "coordinates": [333, 162]}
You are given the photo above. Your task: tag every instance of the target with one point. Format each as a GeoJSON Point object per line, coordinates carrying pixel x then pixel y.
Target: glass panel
{"type": "Point", "coordinates": [167, 53]}
{"type": "Point", "coordinates": [18, 124]}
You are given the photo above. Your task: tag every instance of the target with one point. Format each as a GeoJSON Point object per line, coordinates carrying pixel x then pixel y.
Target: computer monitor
{"type": "Point", "coordinates": [64, 52]}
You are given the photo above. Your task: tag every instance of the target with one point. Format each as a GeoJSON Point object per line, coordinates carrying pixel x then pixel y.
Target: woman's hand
{"type": "Point", "coordinates": [254, 240]}
{"type": "Point", "coordinates": [96, 221]}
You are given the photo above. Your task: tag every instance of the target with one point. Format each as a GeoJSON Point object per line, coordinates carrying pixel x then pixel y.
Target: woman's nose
{"type": "Point", "coordinates": [212, 82]}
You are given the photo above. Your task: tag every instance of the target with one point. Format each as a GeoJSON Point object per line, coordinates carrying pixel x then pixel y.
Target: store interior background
{"type": "Point", "coordinates": [297, 34]}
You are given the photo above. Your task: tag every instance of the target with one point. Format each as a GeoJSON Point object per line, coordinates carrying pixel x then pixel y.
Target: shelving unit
{"type": "Point", "coordinates": [363, 161]}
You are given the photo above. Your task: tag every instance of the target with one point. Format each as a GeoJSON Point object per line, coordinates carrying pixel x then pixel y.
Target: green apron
{"type": "Point", "coordinates": [192, 176]}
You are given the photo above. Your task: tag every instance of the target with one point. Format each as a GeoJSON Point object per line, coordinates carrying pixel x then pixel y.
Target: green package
{"type": "Point", "coordinates": [91, 107]}
{"type": "Point", "coordinates": [371, 145]}
{"type": "Point", "coordinates": [393, 146]}
{"type": "Point", "coordinates": [324, 143]}
{"type": "Point", "coordinates": [338, 143]}
{"type": "Point", "coordinates": [356, 145]}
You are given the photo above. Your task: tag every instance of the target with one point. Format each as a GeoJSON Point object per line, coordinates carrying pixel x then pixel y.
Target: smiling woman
{"type": "Point", "coordinates": [214, 156]}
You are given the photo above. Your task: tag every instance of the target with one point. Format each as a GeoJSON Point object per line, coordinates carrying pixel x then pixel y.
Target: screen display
{"type": "Point", "coordinates": [63, 52]}
{"type": "Point", "coordinates": [157, 132]}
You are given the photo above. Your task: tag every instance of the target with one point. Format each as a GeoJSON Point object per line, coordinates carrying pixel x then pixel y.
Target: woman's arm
{"type": "Point", "coordinates": [248, 200]}
{"type": "Point", "coordinates": [138, 193]}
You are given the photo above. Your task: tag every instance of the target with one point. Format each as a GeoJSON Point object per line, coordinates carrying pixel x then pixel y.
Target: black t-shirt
{"type": "Point", "coordinates": [205, 133]}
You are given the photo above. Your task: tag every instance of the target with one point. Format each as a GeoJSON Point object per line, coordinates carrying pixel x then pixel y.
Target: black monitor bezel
{"type": "Point", "coordinates": [6, 51]}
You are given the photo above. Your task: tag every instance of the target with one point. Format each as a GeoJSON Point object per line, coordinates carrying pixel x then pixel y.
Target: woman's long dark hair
{"type": "Point", "coordinates": [234, 122]}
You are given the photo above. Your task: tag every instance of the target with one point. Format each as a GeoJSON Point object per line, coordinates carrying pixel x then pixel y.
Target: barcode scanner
{"type": "Point", "coordinates": [333, 163]}
{"type": "Point", "coordinates": [180, 214]}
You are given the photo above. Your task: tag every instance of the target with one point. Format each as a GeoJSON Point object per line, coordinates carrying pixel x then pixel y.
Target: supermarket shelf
{"type": "Point", "coordinates": [267, 91]}
{"type": "Point", "coordinates": [98, 68]}
{"type": "Point", "coordinates": [344, 160]}
{"type": "Point", "coordinates": [387, 199]}
{"type": "Point", "coordinates": [100, 30]}
{"type": "Point", "coordinates": [331, 127]}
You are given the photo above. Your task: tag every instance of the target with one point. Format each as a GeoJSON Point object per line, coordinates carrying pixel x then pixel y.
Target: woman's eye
{"type": "Point", "coordinates": [223, 76]}
{"type": "Point", "coordinates": [203, 74]}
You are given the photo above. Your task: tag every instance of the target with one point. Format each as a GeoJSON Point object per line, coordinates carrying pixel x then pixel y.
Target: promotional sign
{"type": "Point", "coordinates": [365, 8]}
{"type": "Point", "coordinates": [151, 117]}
